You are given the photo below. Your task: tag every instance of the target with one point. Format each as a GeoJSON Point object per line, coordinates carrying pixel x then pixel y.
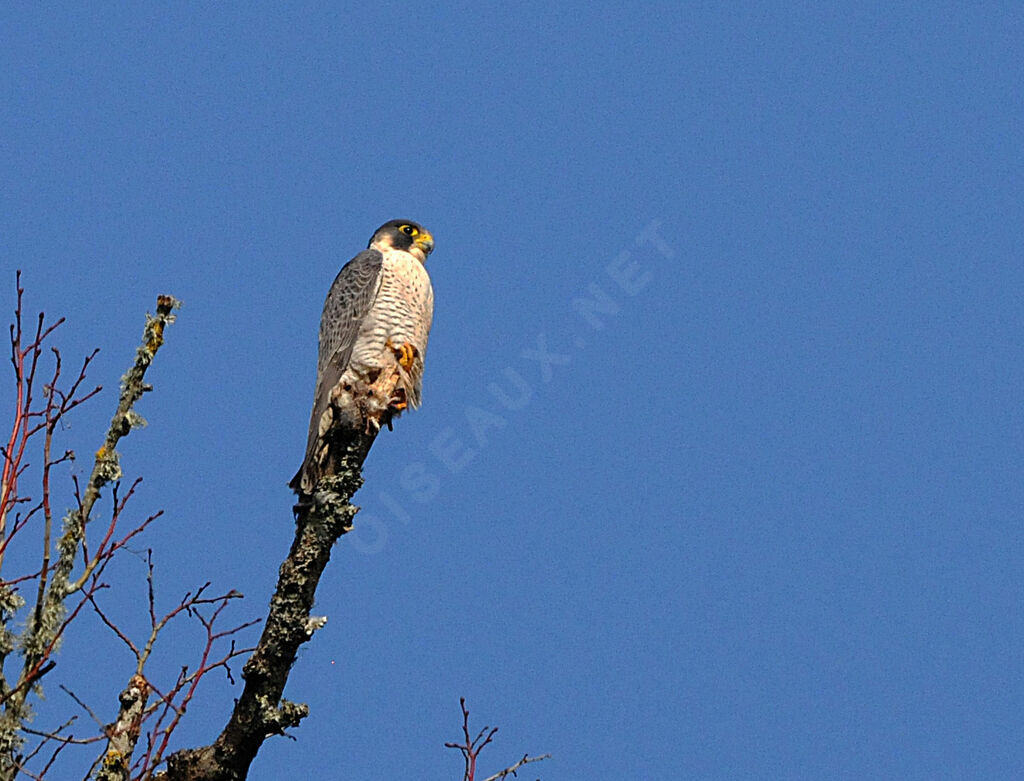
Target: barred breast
{"type": "Point", "coordinates": [402, 312]}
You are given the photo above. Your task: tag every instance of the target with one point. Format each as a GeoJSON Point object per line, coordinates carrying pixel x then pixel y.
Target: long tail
{"type": "Point", "coordinates": [305, 479]}
{"type": "Point", "coordinates": [296, 482]}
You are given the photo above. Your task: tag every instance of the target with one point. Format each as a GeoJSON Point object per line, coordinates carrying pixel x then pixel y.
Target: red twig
{"type": "Point", "coordinates": [174, 703]}
{"type": "Point", "coordinates": [43, 399]}
{"type": "Point", "coordinates": [98, 565]}
{"type": "Point", "coordinates": [28, 420]}
{"type": "Point", "coordinates": [471, 748]}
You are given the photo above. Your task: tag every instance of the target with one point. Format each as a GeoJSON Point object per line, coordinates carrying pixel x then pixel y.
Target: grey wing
{"type": "Point", "coordinates": [348, 302]}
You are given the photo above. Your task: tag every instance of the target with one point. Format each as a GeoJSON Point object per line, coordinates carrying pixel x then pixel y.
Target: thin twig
{"type": "Point", "coordinates": [83, 706]}
{"type": "Point", "coordinates": [471, 748]}
{"type": "Point", "coordinates": [50, 617]}
{"type": "Point", "coordinates": [511, 771]}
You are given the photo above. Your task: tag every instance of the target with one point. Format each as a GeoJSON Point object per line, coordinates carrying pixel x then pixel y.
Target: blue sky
{"type": "Point", "coordinates": [763, 522]}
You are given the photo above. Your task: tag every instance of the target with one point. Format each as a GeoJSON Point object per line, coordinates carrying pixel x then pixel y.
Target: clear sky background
{"type": "Point", "coordinates": [763, 522]}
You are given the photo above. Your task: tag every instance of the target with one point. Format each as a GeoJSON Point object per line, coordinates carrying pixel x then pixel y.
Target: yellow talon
{"type": "Point", "coordinates": [406, 354]}
{"type": "Point", "coordinates": [398, 402]}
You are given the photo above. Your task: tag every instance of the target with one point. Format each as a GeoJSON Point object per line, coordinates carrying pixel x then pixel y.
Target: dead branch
{"type": "Point", "coordinates": [123, 734]}
{"type": "Point", "coordinates": [260, 710]}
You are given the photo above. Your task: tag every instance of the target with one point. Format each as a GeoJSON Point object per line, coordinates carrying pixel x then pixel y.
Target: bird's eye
{"type": "Point", "coordinates": [408, 230]}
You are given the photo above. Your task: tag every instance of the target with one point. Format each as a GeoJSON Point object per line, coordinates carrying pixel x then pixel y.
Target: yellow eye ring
{"type": "Point", "coordinates": [408, 230]}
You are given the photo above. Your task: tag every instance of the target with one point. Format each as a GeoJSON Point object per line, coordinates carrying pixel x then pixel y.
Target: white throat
{"type": "Point", "coordinates": [393, 253]}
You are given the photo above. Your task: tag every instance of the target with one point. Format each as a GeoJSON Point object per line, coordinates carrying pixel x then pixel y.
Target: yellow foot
{"type": "Point", "coordinates": [405, 353]}
{"type": "Point", "coordinates": [398, 402]}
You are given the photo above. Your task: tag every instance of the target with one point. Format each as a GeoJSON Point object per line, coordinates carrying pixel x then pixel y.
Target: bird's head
{"type": "Point", "coordinates": [404, 235]}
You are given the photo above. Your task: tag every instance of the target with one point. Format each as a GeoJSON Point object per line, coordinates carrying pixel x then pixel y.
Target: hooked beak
{"type": "Point", "coordinates": [425, 242]}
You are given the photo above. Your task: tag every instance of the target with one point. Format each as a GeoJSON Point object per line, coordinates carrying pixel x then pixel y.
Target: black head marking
{"type": "Point", "coordinates": [402, 233]}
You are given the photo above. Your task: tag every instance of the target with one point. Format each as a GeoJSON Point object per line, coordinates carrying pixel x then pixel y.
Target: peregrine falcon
{"type": "Point", "coordinates": [373, 338]}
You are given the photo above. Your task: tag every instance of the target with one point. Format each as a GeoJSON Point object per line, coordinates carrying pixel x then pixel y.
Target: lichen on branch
{"type": "Point", "coordinates": [50, 616]}
{"type": "Point", "coordinates": [261, 710]}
